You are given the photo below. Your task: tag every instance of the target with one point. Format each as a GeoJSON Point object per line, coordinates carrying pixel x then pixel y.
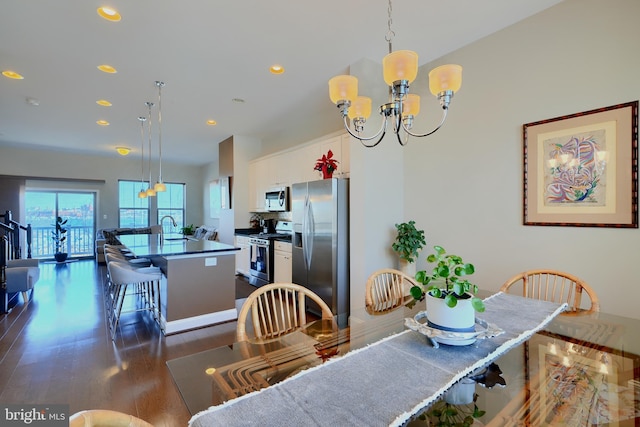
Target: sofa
{"type": "Point", "coordinates": [22, 275]}
{"type": "Point", "coordinates": [110, 236]}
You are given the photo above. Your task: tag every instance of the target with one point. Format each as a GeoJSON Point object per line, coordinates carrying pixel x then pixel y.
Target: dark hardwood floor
{"type": "Point", "coordinates": [57, 350]}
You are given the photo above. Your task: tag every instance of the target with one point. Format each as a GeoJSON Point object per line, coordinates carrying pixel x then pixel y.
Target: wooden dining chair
{"type": "Point", "coordinates": [386, 289]}
{"type": "Point", "coordinates": [555, 286]}
{"type": "Point", "coordinates": [277, 309]}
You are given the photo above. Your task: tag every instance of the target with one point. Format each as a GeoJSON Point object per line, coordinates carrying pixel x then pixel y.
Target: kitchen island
{"type": "Point", "coordinates": [198, 283]}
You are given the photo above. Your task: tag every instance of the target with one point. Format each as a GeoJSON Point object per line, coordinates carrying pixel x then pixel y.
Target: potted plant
{"type": "Point", "coordinates": [327, 165]}
{"type": "Point", "coordinates": [444, 413]}
{"type": "Point", "coordinates": [188, 230]}
{"type": "Point", "coordinates": [59, 236]}
{"type": "Point", "coordinates": [409, 241]}
{"type": "Point", "coordinates": [451, 300]}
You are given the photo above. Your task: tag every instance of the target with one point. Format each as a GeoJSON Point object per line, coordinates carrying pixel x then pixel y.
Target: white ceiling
{"type": "Point", "coordinates": [208, 52]}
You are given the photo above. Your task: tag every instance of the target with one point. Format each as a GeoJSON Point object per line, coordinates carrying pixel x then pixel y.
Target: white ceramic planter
{"type": "Point", "coordinates": [461, 318]}
{"type": "Point", "coordinates": [461, 393]}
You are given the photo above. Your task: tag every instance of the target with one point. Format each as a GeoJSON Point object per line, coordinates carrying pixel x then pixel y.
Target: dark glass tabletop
{"type": "Point", "coordinates": [578, 370]}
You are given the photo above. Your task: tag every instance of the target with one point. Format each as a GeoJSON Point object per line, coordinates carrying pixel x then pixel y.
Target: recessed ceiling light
{"type": "Point", "coordinates": [12, 75]}
{"type": "Point", "coordinates": [103, 102]}
{"type": "Point", "coordinates": [123, 151]}
{"type": "Point", "coordinates": [212, 122]}
{"type": "Point", "coordinates": [276, 69]}
{"type": "Point", "coordinates": [238, 100]}
{"type": "Point", "coordinates": [103, 123]}
{"type": "Point", "coordinates": [109, 14]}
{"type": "Point", "coordinates": [107, 69]}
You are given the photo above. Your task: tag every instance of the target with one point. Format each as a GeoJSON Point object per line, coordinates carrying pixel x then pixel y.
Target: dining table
{"type": "Point", "coordinates": [538, 366]}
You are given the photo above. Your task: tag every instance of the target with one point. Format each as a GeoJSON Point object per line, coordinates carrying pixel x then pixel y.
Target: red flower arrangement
{"type": "Point", "coordinates": [327, 164]}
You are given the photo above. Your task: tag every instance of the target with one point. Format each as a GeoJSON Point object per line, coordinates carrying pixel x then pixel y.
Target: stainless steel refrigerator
{"type": "Point", "coordinates": [320, 250]}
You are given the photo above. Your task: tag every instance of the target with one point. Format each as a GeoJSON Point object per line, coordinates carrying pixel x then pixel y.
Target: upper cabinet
{"type": "Point", "coordinates": [289, 167]}
{"type": "Point", "coordinates": [339, 146]}
{"type": "Point", "coordinates": [258, 186]}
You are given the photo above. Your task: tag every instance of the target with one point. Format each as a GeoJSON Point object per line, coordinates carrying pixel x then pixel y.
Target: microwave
{"type": "Point", "coordinates": [277, 200]}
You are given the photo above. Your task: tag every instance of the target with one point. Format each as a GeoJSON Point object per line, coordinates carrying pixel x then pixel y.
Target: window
{"type": "Point", "coordinates": [77, 208]}
{"type": "Point", "coordinates": [171, 202]}
{"type": "Point", "coordinates": [134, 211]}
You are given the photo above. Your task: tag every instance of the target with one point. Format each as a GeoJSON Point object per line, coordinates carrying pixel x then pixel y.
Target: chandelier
{"type": "Point", "coordinates": [399, 70]}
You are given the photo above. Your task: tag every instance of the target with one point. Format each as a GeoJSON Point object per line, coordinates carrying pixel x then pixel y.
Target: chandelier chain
{"type": "Point", "coordinates": [390, 33]}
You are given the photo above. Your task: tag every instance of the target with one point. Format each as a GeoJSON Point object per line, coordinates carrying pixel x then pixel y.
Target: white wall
{"type": "Point", "coordinates": [14, 161]}
{"type": "Point", "coordinates": [464, 184]}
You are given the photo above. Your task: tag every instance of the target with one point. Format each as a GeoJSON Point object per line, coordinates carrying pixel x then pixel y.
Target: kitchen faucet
{"type": "Point", "coordinates": [173, 221]}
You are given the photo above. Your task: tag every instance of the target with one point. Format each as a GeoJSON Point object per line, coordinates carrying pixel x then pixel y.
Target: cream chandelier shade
{"type": "Point", "coordinates": [399, 69]}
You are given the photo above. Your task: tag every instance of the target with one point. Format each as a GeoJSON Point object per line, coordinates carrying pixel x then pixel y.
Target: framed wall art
{"type": "Point", "coordinates": [580, 383]}
{"type": "Point", "coordinates": [582, 169]}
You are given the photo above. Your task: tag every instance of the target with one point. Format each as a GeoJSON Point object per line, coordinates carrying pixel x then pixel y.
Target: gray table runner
{"type": "Point", "coordinates": [385, 383]}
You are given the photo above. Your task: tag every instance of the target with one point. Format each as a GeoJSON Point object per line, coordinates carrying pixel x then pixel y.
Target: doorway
{"type": "Point", "coordinates": [78, 208]}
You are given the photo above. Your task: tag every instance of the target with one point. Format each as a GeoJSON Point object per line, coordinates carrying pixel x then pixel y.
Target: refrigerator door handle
{"type": "Point", "coordinates": [307, 233]}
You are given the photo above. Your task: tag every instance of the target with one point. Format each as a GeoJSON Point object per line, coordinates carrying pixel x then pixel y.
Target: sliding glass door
{"type": "Point", "coordinates": [42, 208]}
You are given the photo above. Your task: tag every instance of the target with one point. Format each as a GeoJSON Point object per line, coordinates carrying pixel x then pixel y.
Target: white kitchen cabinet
{"type": "Point", "coordinates": [242, 256]}
{"type": "Point", "coordinates": [282, 262]}
{"type": "Point", "coordinates": [280, 170]}
{"type": "Point", "coordinates": [303, 161]}
{"type": "Point", "coordinates": [258, 185]}
{"type": "Point", "coordinates": [339, 146]}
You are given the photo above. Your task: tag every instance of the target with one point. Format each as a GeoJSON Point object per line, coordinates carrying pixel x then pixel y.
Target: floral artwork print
{"type": "Point", "coordinates": [575, 169]}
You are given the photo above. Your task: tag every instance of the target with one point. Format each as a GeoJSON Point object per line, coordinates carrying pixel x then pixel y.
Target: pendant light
{"type": "Point", "coordinates": [150, 191]}
{"type": "Point", "coordinates": [159, 186]}
{"type": "Point", "coordinates": [142, 194]}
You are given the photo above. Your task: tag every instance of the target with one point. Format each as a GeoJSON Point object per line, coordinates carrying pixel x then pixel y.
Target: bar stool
{"type": "Point", "coordinates": [145, 283]}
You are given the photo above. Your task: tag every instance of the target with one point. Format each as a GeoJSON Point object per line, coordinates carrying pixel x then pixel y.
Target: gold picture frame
{"type": "Point", "coordinates": [581, 170]}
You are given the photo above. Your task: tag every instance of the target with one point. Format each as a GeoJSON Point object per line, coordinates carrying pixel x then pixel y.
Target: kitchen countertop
{"type": "Point", "coordinates": [173, 244]}
{"type": "Point", "coordinates": [247, 231]}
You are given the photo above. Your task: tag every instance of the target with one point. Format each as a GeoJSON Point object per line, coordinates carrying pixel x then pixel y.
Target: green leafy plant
{"type": "Point", "coordinates": [59, 235]}
{"type": "Point", "coordinates": [446, 414]}
{"type": "Point", "coordinates": [188, 230]}
{"type": "Point", "coordinates": [446, 281]}
{"type": "Point", "coordinates": [409, 241]}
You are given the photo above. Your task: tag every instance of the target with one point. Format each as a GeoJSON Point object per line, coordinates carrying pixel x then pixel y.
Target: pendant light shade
{"type": "Point", "coordinates": [360, 108]}
{"type": "Point", "coordinates": [400, 65]}
{"type": "Point", "coordinates": [444, 78]}
{"type": "Point", "coordinates": [343, 88]}
{"type": "Point", "coordinates": [411, 105]}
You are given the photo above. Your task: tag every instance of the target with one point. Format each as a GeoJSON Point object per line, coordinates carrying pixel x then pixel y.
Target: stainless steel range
{"type": "Point", "coordinates": [261, 248]}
